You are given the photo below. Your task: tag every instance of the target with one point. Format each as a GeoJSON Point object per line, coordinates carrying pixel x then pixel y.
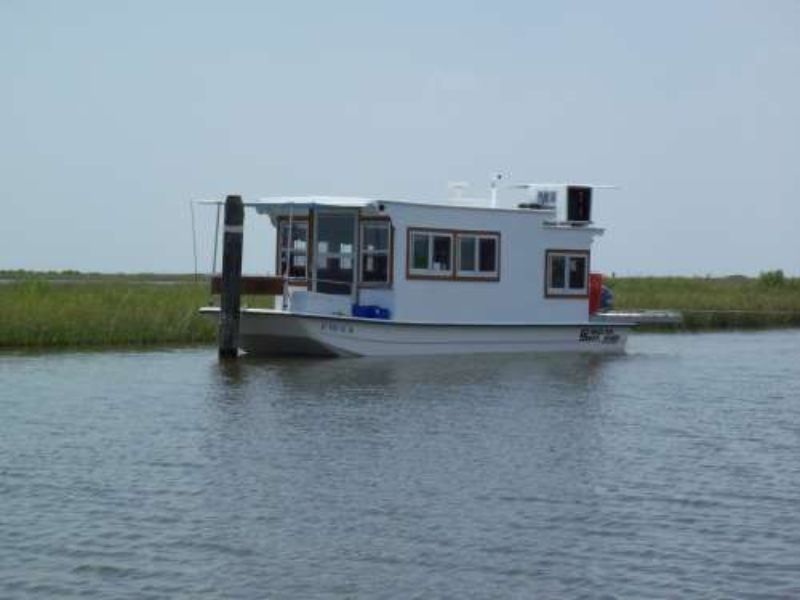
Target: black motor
{"type": "Point", "coordinates": [579, 204]}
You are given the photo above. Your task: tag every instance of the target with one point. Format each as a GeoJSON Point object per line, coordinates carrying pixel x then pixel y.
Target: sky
{"type": "Point", "coordinates": [115, 115]}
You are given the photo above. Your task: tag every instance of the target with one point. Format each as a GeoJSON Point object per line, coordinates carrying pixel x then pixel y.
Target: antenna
{"type": "Point", "coordinates": [493, 187]}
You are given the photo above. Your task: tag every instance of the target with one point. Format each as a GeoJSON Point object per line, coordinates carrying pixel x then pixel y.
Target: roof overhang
{"type": "Point", "coordinates": [536, 186]}
{"type": "Point", "coordinates": [288, 205]}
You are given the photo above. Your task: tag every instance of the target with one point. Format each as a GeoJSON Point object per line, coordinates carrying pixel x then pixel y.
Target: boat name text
{"type": "Point", "coordinates": [603, 335]}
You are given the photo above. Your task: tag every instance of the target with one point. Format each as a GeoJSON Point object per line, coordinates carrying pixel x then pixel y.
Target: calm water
{"type": "Point", "coordinates": [673, 471]}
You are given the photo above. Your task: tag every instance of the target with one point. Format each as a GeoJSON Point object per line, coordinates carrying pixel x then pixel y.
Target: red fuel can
{"type": "Point", "coordinates": [595, 291]}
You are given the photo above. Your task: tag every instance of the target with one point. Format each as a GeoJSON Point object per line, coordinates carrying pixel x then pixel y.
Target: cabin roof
{"type": "Point", "coordinates": [312, 201]}
{"type": "Point", "coordinates": [283, 204]}
{"type": "Point", "coordinates": [273, 205]}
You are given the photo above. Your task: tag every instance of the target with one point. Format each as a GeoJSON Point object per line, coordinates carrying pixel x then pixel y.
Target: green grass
{"type": "Point", "coordinates": [83, 276]}
{"type": "Point", "coordinates": [49, 310]}
{"type": "Point", "coordinates": [38, 313]}
{"type": "Point", "coordinates": [714, 303]}
{"type": "Point", "coordinates": [77, 309]}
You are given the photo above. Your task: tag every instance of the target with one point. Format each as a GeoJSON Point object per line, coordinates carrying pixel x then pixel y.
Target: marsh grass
{"type": "Point", "coordinates": [714, 303]}
{"type": "Point", "coordinates": [138, 310]}
{"type": "Point", "coordinates": [70, 275]}
{"type": "Point", "coordinates": [39, 313]}
{"type": "Point", "coordinates": [107, 311]}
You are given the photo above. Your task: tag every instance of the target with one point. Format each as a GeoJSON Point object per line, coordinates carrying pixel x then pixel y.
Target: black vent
{"type": "Point", "coordinates": [579, 204]}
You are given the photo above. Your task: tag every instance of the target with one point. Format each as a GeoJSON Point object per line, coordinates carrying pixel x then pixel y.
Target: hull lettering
{"type": "Point", "coordinates": [598, 335]}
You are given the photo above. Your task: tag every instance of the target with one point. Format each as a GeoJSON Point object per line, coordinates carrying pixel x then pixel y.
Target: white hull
{"type": "Point", "coordinates": [274, 332]}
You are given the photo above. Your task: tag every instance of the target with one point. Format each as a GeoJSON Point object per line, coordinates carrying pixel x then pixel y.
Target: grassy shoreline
{"type": "Point", "coordinates": [62, 310]}
{"type": "Point", "coordinates": [36, 313]}
{"type": "Point", "coordinates": [713, 303]}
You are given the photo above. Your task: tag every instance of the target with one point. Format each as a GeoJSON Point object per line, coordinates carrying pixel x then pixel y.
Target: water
{"type": "Point", "coordinates": [673, 471]}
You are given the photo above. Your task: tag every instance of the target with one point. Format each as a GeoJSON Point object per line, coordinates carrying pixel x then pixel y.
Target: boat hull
{"type": "Point", "coordinates": [274, 332]}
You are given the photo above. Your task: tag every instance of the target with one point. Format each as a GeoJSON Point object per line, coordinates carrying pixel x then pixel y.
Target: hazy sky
{"type": "Point", "coordinates": [113, 115]}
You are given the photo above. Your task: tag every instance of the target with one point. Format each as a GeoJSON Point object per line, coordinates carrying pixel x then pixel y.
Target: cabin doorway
{"type": "Point", "coordinates": [335, 240]}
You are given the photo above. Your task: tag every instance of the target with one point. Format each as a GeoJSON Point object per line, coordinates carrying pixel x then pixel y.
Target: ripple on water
{"type": "Point", "coordinates": [671, 471]}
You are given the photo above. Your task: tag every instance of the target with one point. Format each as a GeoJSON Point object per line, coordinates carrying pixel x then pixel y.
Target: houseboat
{"type": "Point", "coordinates": [382, 277]}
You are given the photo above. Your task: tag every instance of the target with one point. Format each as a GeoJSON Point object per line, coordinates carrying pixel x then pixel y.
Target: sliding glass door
{"type": "Point", "coordinates": [335, 251]}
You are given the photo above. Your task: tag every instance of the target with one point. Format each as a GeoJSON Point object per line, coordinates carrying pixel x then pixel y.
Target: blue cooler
{"type": "Point", "coordinates": [370, 311]}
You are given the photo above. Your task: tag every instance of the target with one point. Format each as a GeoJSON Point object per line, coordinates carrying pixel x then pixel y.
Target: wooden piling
{"type": "Point", "coordinates": [228, 335]}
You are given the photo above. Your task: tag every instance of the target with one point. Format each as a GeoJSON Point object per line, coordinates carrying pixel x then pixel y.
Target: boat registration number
{"type": "Point", "coordinates": [602, 335]}
{"type": "Point", "coordinates": [334, 327]}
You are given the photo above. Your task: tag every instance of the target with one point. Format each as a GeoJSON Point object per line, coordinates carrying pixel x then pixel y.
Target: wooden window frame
{"type": "Point", "coordinates": [389, 256]}
{"type": "Point", "coordinates": [564, 294]}
{"type": "Point", "coordinates": [429, 273]}
{"type": "Point", "coordinates": [452, 275]}
{"type": "Point", "coordinates": [313, 283]}
{"type": "Point", "coordinates": [281, 221]}
{"type": "Point", "coordinates": [311, 246]}
{"type": "Point", "coordinates": [477, 275]}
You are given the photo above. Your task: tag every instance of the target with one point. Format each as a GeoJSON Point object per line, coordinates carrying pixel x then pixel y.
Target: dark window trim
{"type": "Point", "coordinates": [492, 275]}
{"type": "Point", "coordinates": [310, 246]}
{"type": "Point", "coordinates": [390, 256]}
{"type": "Point", "coordinates": [453, 274]}
{"type": "Point", "coordinates": [278, 249]}
{"type": "Point", "coordinates": [568, 252]}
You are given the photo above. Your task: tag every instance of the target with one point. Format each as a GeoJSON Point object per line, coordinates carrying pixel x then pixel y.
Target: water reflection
{"type": "Point", "coordinates": [381, 400]}
{"type": "Point", "coordinates": [321, 375]}
{"type": "Point", "coordinates": [230, 372]}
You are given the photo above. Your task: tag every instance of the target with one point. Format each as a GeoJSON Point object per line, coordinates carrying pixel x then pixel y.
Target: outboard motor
{"type": "Point", "coordinates": [606, 298]}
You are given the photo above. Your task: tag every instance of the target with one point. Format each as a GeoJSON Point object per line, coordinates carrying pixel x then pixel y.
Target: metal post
{"type": "Point", "coordinates": [216, 242]}
{"type": "Point", "coordinates": [194, 240]}
{"type": "Point", "coordinates": [312, 248]}
{"type": "Point", "coordinates": [287, 270]}
{"type": "Point", "coordinates": [228, 335]}
{"type": "Point", "coordinates": [354, 295]}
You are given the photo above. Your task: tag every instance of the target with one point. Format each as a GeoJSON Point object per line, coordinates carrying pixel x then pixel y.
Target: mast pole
{"type": "Point", "coordinates": [288, 266]}
{"type": "Point", "coordinates": [216, 241]}
{"type": "Point", "coordinates": [194, 239]}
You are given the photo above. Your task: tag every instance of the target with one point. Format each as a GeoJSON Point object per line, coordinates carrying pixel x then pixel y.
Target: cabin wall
{"type": "Point", "coordinates": [519, 295]}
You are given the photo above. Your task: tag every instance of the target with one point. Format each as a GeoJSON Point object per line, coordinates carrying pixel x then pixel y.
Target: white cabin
{"type": "Point", "coordinates": [524, 260]}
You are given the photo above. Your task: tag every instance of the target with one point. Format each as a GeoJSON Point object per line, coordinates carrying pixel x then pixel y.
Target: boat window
{"type": "Point", "coordinates": [335, 252]}
{"type": "Point", "coordinates": [567, 273]}
{"type": "Point", "coordinates": [467, 247]}
{"type": "Point", "coordinates": [431, 253]}
{"type": "Point", "coordinates": [421, 251]}
{"type": "Point", "coordinates": [577, 272]}
{"type": "Point", "coordinates": [487, 255]}
{"type": "Point", "coordinates": [441, 252]}
{"type": "Point", "coordinates": [298, 243]}
{"type": "Point", "coordinates": [375, 252]}
{"type": "Point", "coordinates": [453, 254]}
{"type": "Point", "coordinates": [477, 255]}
